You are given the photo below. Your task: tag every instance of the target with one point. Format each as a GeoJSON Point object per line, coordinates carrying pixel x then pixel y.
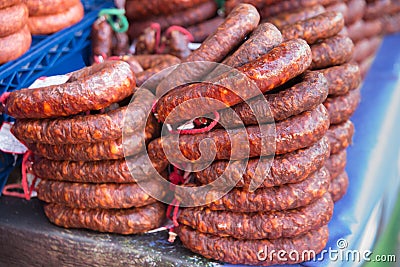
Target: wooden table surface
{"type": "Point", "coordinates": [27, 238]}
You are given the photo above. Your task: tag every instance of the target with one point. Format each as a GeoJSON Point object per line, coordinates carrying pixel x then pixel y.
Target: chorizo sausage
{"type": "Point", "coordinates": [7, 3]}
{"type": "Point", "coordinates": [391, 23]}
{"type": "Point", "coordinates": [147, 42]}
{"type": "Point", "coordinates": [375, 9]}
{"type": "Point", "coordinates": [251, 252]}
{"type": "Point", "coordinates": [260, 225]}
{"type": "Point", "coordinates": [287, 168]}
{"type": "Point", "coordinates": [339, 7]}
{"type": "Point", "coordinates": [364, 29]}
{"type": "Point", "coordinates": [183, 18]}
{"type": "Point", "coordinates": [106, 171]}
{"type": "Point", "coordinates": [177, 44]}
{"type": "Point", "coordinates": [294, 16]}
{"type": "Point", "coordinates": [333, 51]}
{"type": "Point", "coordinates": [311, 91]}
{"type": "Point", "coordinates": [202, 30]}
{"type": "Point", "coordinates": [336, 163]}
{"type": "Point", "coordinates": [15, 45]}
{"type": "Point", "coordinates": [101, 37]}
{"type": "Point", "coordinates": [355, 9]}
{"type": "Point", "coordinates": [120, 221]}
{"type": "Point", "coordinates": [294, 133]}
{"type": "Point", "coordinates": [89, 128]}
{"type": "Point", "coordinates": [139, 10]}
{"type": "Point", "coordinates": [282, 63]}
{"type": "Point", "coordinates": [339, 186]}
{"type": "Point", "coordinates": [340, 136]}
{"type": "Point", "coordinates": [341, 79]}
{"type": "Point", "coordinates": [95, 196]}
{"type": "Point", "coordinates": [13, 19]}
{"type": "Point", "coordinates": [341, 108]}
{"type": "Point", "coordinates": [48, 7]}
{"type": "Point", "coordinates": [316, 28]}
{"type": "Point", "coordinates": [284, 197]}
{"type": "Point", "coordinates": [366, 48]}
{"type": "Point", "coordinates": [287, 5]}
{"type": "Point", "coordinates": [93, 92]}
{"type": "Point", "coordinates": [132, 144]}
{"type": "Point", "coordinates": [120, 43]}
{"type": "Point", "coordinates": [152, 64]}
{"type": "Point", "coordinates": [239, 23]}
{"type": "Point", "coordinates": [231, 4]}
{"type": "Point", "coordinates": [265, 37]}
{"type": "Point", "coordinates": [52, 23]}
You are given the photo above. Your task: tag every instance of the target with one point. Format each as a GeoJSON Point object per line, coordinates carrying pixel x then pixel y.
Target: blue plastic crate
{"type": "Point", "coordinates": [50, 54]}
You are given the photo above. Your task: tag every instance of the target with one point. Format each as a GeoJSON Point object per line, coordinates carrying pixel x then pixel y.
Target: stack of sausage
{"type": "Point", "coordinates": [366, 34]}
{"type": "Point", "coordinates": [75, 132]}
{"type": "Point", "coordinates": [387, 11]}
{"type": "Point", "coordinates": [291, 207]}
{"type": "Point", "coordinates": [106, 42]}
{"type": "Point", "coordinates": [50, 16]}
{"type": "Point", "coordinates": [15, 38]}
{"type": "Point", "coordinates": [142, 14]}
{"type": "Point", "coordinates": [331, 54]}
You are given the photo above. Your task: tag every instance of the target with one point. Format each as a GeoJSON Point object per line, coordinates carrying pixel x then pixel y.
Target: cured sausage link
{"type": "Point", "coordinates": [276, 67]}
{"type": "Point", "coordinates": [108, 83]}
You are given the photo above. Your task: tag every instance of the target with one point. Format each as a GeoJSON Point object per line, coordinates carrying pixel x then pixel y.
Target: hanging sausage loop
{"type": "Point", "coordinates": [119, 23]}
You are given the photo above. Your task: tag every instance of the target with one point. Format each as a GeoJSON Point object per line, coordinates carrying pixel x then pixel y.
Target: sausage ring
{"type": "Point", "coordinates": [284, 197]}
{"type": "Point", "coordinates": [278, 7]}
{"type": "Point", "coordinates": [341, 108]}
{"type": "Point", "coordinates": [340, 136]}
{"type": "Point", "coordinates": [110, 149]}
{"type": "Point", "coordinates": [15, 45]}
{"type": "Point", "coordinates": [282, 63]}
{"type": "Point", "coordinates": [287, 168]}
{"type": "Point", "coordinates": [366, 48]}
{"type": "Point", "coordinates": [239, 23]}
{"type": "Point", "coordinates": [47, 24]}
{"type": "Point", "coordinates": [320, 27]}
{"type": "Point", "coordinates": [88, 128]}
{"type": "Point", "coordinates": [355, 10]}
{"type": "Point", "coordinates": [13, 19]}
{"type": "Point", "coordinates": [120, 221]}
{"type": "Point", "coordinates": [138, 10]}
{"type": "Point", "coordinates": [231, 250]}
{"type": "Point", "coordinates": [93, 92]}
{"type": "Point", "coordinates": [95, 196]}
{"type": "Point", "coordinates": [336, 163]}
{"type": "Point", "coordinates": [48, 7]}
{"type": "Point", "coordinates": [339, 186]}
{"type": "Point", "coordinates": [310, 91]}
{"type": "Point", "coordinates": [106, 171]}
{"type": "Point", "coordinates": [7, 3]}
{"type": "Point", "coordinates": [294, 133]}
{"type": "Point", "coordinates": [202, 30]}
{"type": "Point", "coordinates": [151, 64]}
{"type": "Point", "coordinates": [290, 17]}
{"type": "Point", "coordinates": [343, 78]}
{"type": "Point", "coordinates": [182, 18]}
{"type": "Point", "coordinates": [260, 225]}
{"type": "Point", "coordinates": [333, 51]}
